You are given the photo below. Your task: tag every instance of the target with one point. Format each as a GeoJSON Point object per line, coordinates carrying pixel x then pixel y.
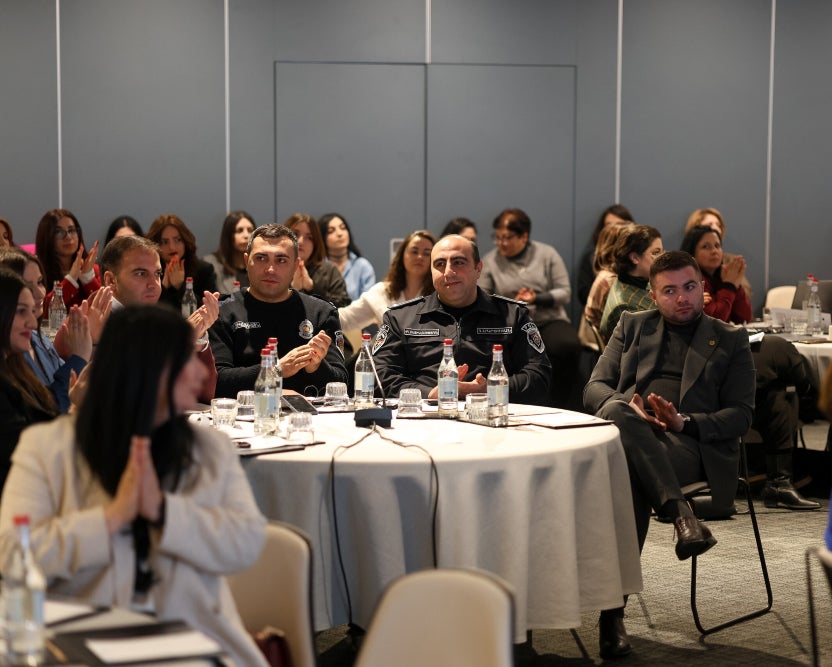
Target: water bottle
{"type": "Point", "coordinates": [277, 372]}
{"type": "Point", "coordinates": [235, 291]}
{"type": "Point", "coordinates": [189, 305]}
{"type": "Point", "coordinates": [365, 381]}
{"type": "Point", "coordinates": [57, 309]}
{"type": "Point", "coordinates": [813, 309]}
{"type": "Point", "coordinates": [448, 382]}
{"type": "Point", "coordinates": [265, 396]}
{"type": "Point", "coordinates": [497, 387]}
{"type": "Point", "coordinates": [24, 590]}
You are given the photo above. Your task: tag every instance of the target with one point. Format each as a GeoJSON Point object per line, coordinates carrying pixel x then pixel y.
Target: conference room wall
{"type": "Point", "coordinates": [142, 111]}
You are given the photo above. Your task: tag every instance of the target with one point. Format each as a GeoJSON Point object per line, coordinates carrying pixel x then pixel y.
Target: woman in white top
{"type": "Point", "coordinates": [408, 277]}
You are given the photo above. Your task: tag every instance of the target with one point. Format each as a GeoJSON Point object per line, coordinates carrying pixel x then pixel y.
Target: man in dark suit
{"type": "Point", "coordinates": [680, 387]}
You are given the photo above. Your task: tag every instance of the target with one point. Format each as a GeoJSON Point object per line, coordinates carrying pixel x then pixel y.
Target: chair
{"type": "Point", "coordinates": [824, 556]}
{"type": "Point", "coordinates": [442, 618]}
{"type": "Point", "coordinates": [780, 297]}
{"type": "Point", "coordinates": [277, 591]}
{"type": "Point", "coordinates": [596, 333]}
{"type": "Point", "coordinates": [691, 491]}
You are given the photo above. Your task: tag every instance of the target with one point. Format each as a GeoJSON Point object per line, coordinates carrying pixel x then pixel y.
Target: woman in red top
{"type": "Point", "coordinates": [725, 298]}
{"type": "Point", "coordinates": [59, 245]}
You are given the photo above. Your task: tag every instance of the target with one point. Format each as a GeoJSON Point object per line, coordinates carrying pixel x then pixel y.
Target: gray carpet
{"type": "Point", "coordinates": [659, 620]}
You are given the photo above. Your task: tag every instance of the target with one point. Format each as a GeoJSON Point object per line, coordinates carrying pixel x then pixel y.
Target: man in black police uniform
{"type": "Point", "coordinates": [305, 326]}
{"type": "Point", "coordinates": [679, 386]}
{"type": "Point", "coordinates": [408, 346]}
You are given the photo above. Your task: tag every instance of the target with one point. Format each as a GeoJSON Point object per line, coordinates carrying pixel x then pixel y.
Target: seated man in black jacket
{"type": "Point", "coordinates": [408, 346]}
{"type": "Point", "coordinates": [304, 325]}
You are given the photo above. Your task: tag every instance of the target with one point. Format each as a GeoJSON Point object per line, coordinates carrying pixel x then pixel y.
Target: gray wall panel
{"type": "Point", "coordinates": [143, 104]}
{"type": "Point", "coordinates": [350, 138]}
{"type": "Point", "coordinates": [251, 31]}
{"type": "Point", "coordinates": [694, 117]}
{"type": "Point", "coordinates": [354, 31]}
{"type": "Point", "coordinates": [801, 232]}
{"type": "Point", "coordinates": [29, 126]}
{"type": "Point", "coordinates": [502, 137]}
{"type": "Point", "coordinates": [494, 31]}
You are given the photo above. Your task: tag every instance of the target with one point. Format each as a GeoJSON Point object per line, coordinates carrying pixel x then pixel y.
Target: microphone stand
{"type": "Point", "coordinates": [381, 416]}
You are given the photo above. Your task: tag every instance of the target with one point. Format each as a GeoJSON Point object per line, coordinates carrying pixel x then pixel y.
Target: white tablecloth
{"type": "Point", "coordinates": [550, 511]}
{"type": "Point", "coordinates": [819, 356]}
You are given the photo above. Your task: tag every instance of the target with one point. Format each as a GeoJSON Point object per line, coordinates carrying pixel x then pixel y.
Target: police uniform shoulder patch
{"type": "Point", "coordinates": [381, 337]}
{"type": "Point", "coordinates": [407, 303]}
{"type": "Point", "coordinates": [339, 342]}
{"type": "Point", "coordinates": [306, 330]}
{"type": "Point", "coordinates": [533, 336]}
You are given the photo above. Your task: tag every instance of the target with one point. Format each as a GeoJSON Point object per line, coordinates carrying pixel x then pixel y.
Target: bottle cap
{"type": "Point", "coordinates": [21, 520]}
{"type": "Point", "coordinates": [189, 281]}
{"type": "Point", "coordinates": [272, 340]}
{"type": "Point", "coordinates": [497, 348]}
{"type": "Point", "coordinates": [365, 336]}
{"type": "Point", "coordinates": [265, 352]}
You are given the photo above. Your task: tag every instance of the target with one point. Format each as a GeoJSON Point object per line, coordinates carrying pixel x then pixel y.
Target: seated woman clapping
{"type": "Point", "coordinates": [129, 503]}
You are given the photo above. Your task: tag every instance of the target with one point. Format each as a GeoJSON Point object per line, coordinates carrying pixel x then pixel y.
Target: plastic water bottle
{"type": "Point", "coordinates": [365, 381]}
{"type": "Point", "coordinates": [813, 309]}
{"type": "Point", "coordinates": [277, 372]}
{"type": "Point", "coordinates": [57, 309]}
{"type": "Point", "coordinates": [265, 396]}
{"type": "Point", "coordinates": [235, 291]}
{"type": "Point", "coordinates": [448, 382]}
{"type": "Point", "coordinates": [24, 590]}
{"type": "Point", "coordinates": [497, 387]}
{"type": "Point", "coordinates": [189, 305]}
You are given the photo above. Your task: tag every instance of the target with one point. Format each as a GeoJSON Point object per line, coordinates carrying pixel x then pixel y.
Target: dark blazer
{"type": "Point", "coordinates": [717, 385]}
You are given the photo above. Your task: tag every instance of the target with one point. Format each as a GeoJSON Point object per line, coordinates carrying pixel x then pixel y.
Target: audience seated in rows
{"type": "Point", "coordinates": [314, 274]}
{"type": "Point", "coordinates": [409, 277]}
{"type": "Point", "coordinates": [633, 255]}
{"type": "Point", "coordinates": [408, 346]}
{"type": "Point", "coordinates": [228, 261]}
{"type": "Point", "coordinates": [177, 247]}
{"type": "Point", "coordinates": [535, 273]}
{"type": "Point", "coordinates": [305, 326]}
{"type": "Point", "coordinates": [131, 505]}
{"type": "Point", "coordinates": [131, 267]}
{"type": "Point", "coordinates": [359, 275]}
{"type": "Point", "coordinates": [679, 385]}
{"type": "Point", "coordinates": [59, 243]}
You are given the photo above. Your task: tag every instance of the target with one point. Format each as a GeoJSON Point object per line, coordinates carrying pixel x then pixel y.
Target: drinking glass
{"type": "Point", "coordinates": [299, 429]}
{"type": "Point", "coordinates": [336, 395]}
{"type": "Point", "coordinates": [223, 412]}
{"type": "Point", "coordinates": [476, 408]}
{"type": "Point", "coordinates": [245, 404]}
{"type": "Point", "coordinates": [410, 400]}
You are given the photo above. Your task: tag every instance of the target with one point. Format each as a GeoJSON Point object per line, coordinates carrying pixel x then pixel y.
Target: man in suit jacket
{"type": "Point", "coordinates": [680, 387]}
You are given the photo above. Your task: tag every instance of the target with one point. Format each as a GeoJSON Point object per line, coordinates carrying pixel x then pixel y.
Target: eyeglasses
{"type": "Point", "coordinates": [63, 233]}
{"type": "Point", "coordinates": [507, 238]}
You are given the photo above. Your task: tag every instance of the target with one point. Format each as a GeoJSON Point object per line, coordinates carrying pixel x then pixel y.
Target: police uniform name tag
{"type": "Point", "coordinates": [494, 331]}
{"type": "Point", "coordinates": [245, 325]}
{"type": "Point", "coordinates": [421, 332]}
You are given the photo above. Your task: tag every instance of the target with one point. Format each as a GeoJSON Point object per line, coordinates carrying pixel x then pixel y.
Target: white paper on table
{"type": "Point", "coordinates": [57, 611]}
{"type": "Point", "coordinates": [156, 647]}
{"type": "Point", "coordinates": [557, 419]}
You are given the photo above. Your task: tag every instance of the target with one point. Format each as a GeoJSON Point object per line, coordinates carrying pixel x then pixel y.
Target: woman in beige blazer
{"type": "Point", "coordinates": [130, 505]}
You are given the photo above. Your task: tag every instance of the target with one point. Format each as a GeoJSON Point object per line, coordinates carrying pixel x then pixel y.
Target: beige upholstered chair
{"type": "Point", "coordinates": [277, 591]}
{"type": "Point", "coordinates": [780, 297]}
{"type": "Point", "coordinates": [442, 618]}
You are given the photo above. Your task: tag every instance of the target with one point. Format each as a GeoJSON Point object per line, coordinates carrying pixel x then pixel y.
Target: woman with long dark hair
{"type": "Point", "coordinates": [59, 244]}
{"type": "Point", "coordinates": [314, 274]}
{"type": "Point", "coordinates": [130, 504]}
{"type": "Point", "coordinates": [359, 275]}
{"type": "Point", "coordinates": [123, 225]}
{"type": "Point", "coordinates": [23, 399]}
{"type": "Point", "coordinates": [177, 247]}
{"type": "Point", "coordinates": [229, 258]}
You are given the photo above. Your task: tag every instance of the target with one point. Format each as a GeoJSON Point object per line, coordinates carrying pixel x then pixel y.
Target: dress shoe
{"type": "Point", "coordinates": [781, 493]}
{"type": "Point", "coordinates": [692, 537]}
{"type": "Point", "coordinates": [613, 639]}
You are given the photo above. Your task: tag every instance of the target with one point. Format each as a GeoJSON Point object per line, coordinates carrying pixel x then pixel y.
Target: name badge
{"type": "Point", "coordinates": [421, 332]}
{"type": "Point", "coordinates": [245, 325]}
{"type": "Point", "coordinates": [494, 331]}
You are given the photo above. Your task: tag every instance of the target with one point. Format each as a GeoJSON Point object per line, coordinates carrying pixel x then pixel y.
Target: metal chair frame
{"type": "Point", "coordinates": [696, 489]}
{"type": "Point", "coordinates": [810, 552]}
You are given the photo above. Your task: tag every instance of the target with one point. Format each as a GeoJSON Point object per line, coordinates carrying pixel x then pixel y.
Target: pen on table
{"type": "Point", "coordinates": [59, 655]}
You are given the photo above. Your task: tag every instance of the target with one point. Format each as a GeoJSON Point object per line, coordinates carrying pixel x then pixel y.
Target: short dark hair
{"type": "Point", "coordinates": [115, 250]}
{"type": "Point", "coordinates": [272, 232]}
{"type": "Point", "coordinates": [673, 260]}
{"type": "Point", "coordinates": [456, 225]}
{"type": "Point", "coordinates": [515, 220]}
{"type": "Point", "coordinates": [618, 211]}
{"type": "Point", "coordinates": [635, 240]}
{"type": "Point", "coordinates": [119, 223]}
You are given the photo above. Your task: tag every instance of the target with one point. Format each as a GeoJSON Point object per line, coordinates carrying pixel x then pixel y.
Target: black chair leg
{"type": "Point", "coordinates": [747, 617]}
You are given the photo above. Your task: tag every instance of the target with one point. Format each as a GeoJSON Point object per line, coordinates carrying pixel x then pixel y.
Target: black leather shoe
{"type": "Point", "coordinates": [613, 639]}
{"type": "Point", "coordinates": [781, 493]}
{"type": "Point", "coordinates": [693, 538]}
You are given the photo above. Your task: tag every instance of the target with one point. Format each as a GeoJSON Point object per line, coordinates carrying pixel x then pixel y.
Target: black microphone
{"type": "Point", "coordinates": [381, 416]}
